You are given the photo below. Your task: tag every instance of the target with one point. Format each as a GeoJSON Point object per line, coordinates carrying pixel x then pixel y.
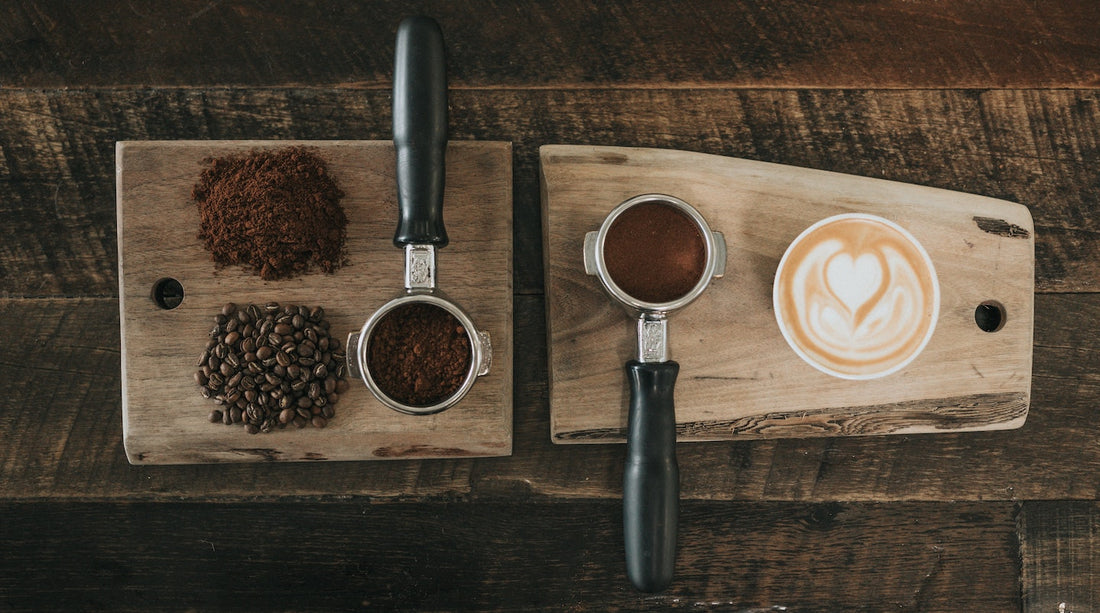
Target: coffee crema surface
{"type": "Point", "coordinates": [856, 296]}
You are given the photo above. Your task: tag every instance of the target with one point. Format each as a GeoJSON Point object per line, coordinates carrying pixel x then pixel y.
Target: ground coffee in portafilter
{"type": "Point", "coordinates": [276, 212]}
{"type": "Point", "coordinates": [419, 354]}
{"type": "Point", "coordinates": [654, 252]}
{"type": "Point", "coordinates": [269, 366]}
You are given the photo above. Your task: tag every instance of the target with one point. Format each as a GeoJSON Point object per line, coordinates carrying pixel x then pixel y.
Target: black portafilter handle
{"type": "Point", "coordinates": [420, 131]}
{"type": "Point", "coordinates": [651, 477]}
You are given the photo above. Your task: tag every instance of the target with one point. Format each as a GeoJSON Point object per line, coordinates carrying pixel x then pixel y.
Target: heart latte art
{"type": "Point", "coordinates": [856, 296]}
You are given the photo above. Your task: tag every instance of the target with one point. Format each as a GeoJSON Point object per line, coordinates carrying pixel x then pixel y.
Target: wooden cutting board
{"type": "Point", "coordinates": [165, 418]}
{"type": "Point", "coordinates": [738, 377]}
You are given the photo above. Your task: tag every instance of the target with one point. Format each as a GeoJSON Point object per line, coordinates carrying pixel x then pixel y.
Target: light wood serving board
{"type": "Point", "coordinates": [165, 418]}
{"type": "Point", "coordinates": [738, 377]}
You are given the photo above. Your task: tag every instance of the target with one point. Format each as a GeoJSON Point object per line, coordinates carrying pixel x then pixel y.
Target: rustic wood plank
{"type": "Point", "coordinates": [738, 377]}
{"type": "Point", "coordinates": [502, 556]}
{"type": "Point", "coordinates": [1032, 147]}
{"type": "Point", "coordinates": [1060, 556]}
{"type": "Point", "coordinates": [158, 228]}
{"type": "Point", "coordinates": [555, 43]}
{"type": "Point", "coordinates": [65, 441]}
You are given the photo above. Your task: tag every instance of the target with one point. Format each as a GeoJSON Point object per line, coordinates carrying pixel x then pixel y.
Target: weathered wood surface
{"type": "Point", "coordinates": [509, 556]}
{"type": "Point", "coordinates": [738, 377]}
{"type": "Point", "coordinates": [164, 418]}
{"type": "Point", "coordinates": [75, 452]}
{"type": "Point", "coordinates": [1061, 556]}
{"type": "Point", "coordinates": [993, 97]}
{"type": "Point", "coordinates": [560, 44]}
{"type": "Point", "coordinates": [1035, 148]}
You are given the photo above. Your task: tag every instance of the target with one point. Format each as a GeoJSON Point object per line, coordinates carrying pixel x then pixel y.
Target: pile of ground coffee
{"type": "Point", "coordinates": [275, 212]}
{"type": "Point", "coordinates": [654, 252]}
{"type": "Point", "coordinates": [269, 366]}
{"type": "Point", "coordinates": [418, 354]}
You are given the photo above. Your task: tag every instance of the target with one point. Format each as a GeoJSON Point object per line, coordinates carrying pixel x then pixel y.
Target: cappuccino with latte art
{"type": "Point", "coordinates": [856, 296]}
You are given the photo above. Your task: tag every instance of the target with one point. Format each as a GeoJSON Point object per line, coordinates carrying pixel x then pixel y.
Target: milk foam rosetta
{"type": "Point", "coordinates": [856, 296]}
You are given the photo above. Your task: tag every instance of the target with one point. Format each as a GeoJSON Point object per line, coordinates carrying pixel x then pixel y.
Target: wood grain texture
{"type": "Point", "coordinates": [65, 441]}
{"type": "Point", "coordinates": [1031, 147]}
{"type": "Point", "coordinates": [738, 376]}
{"type": "Point", "coordinates": [503, 556]}
{"type": "Point", "coordinates": [561, 44]}
{"type": "Point", "coordinates": [1060, 556]}
{"type": "Point", "coordinates": [163, 415]}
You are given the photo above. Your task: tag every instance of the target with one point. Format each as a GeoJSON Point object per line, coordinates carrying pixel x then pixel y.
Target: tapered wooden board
{"type": "Point", "coordinates": [164, 417]}
{"type": "Point", "coordinates": [738, 377]}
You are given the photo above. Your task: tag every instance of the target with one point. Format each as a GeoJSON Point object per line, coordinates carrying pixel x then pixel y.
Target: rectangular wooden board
{"type": "Point", "coordinates": [165, 418]}
{"type": "Point", "coordinates": [738, 377]}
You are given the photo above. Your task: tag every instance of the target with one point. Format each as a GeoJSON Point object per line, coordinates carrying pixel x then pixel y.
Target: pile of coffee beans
{"type": "Point", "coordinates": [270, 366]}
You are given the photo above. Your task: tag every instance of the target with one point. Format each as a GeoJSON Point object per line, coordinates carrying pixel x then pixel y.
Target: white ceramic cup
{"type": "Point", "coordinates": [856, 296]}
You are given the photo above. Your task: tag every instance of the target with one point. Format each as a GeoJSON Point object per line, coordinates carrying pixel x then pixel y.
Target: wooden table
{"type": "Point", "coordinates": [992, 97]}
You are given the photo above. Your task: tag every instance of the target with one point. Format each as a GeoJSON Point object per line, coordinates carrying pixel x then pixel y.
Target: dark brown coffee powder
{"type": "Point", "coordinates": [654, 252]}
{"type": "Point", "coordinates": [275, 212]}
{"type": "Point", "coordinates": [419, 354]}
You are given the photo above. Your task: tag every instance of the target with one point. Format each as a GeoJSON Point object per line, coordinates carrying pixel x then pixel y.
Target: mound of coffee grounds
{"type": "Point", "coordinates": [275, 212]}
{"type": "Point", "coordinates": [271, 366]}
{"type": "Point", "coordinates": [419, 354]}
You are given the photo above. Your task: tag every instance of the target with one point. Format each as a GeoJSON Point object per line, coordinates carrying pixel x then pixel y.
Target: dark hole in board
{"type": "Point", "coordinates": [990, 316]}
{"type": "Point", "coordinates": [167, 293]}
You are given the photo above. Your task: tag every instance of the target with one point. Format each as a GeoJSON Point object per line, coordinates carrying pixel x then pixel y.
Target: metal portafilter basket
{"type": "Point", "coordinates": [651, 477]}
{"type": "Point", "coordinates": [420, 140]}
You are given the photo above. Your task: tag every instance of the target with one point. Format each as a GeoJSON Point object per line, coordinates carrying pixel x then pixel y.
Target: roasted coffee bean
{"type": "Point", "coordinates": [311, 335]}
{"type": "Point", "coordinates": [232, 338]}
{"type": "Point", "coordinates": [293, 371]}
{"type": "Point", "coordinates": [265, 352]}
{"type": "Point", "coordinates": [249, 357]}
{"type": "Point", "coordinates": [225, 369]}
{"type": "Point", "coordinates": [289, 347]}
{"type": "Point", "coordinates": [328, 412]}
{"type": "Point", "coordinates": [283, 359]}
{"type": "Point", "coordinates": [304, 402]}
{"type": "Point", "coordinates": [306, 361]}
{"type": "Point", "coordinates": [229, 309]}
{"type": "Point", "coordinates": [203, 357]}
{"type": "Point", "coordinates": [235, 380]}
{"type": "Point", "coordinates": [231, 325]}
{"type": "Point", "coordinates": [298, 321]}
{"type": "Point", "coordinates": [333, 398]}
{"type": "Point", "coordinates": [300, 422]}
{"type": "Point", "coordinates": [287, 415]}
{"type": "Point", "coordinates": [319, 422]}
{"type": "Point", "coordinates": [204, 391]}
{"type": "Point", "coordinates": [221, 350]}
{"type": "Point", "coordinates": [316, 314]}
{"type": "Point", "coordinates": [251, 428]}
{"type": "Point", "coordinates": [232, 360]}
{"type": "Point", "coordinates": [274, 339]}
{"type": "Point", "coordinates": [284, 329]}
{"type": "Point", "coordinates": [215, 380]}
{"type": "Point", "coordinates": [215, 416]}
{"type": "Point", "coordinates": [313, 391]}
{"type": "Point", "coordinates": [227, 418]}
{"type": "Point", "coordinates": [320, 371]}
